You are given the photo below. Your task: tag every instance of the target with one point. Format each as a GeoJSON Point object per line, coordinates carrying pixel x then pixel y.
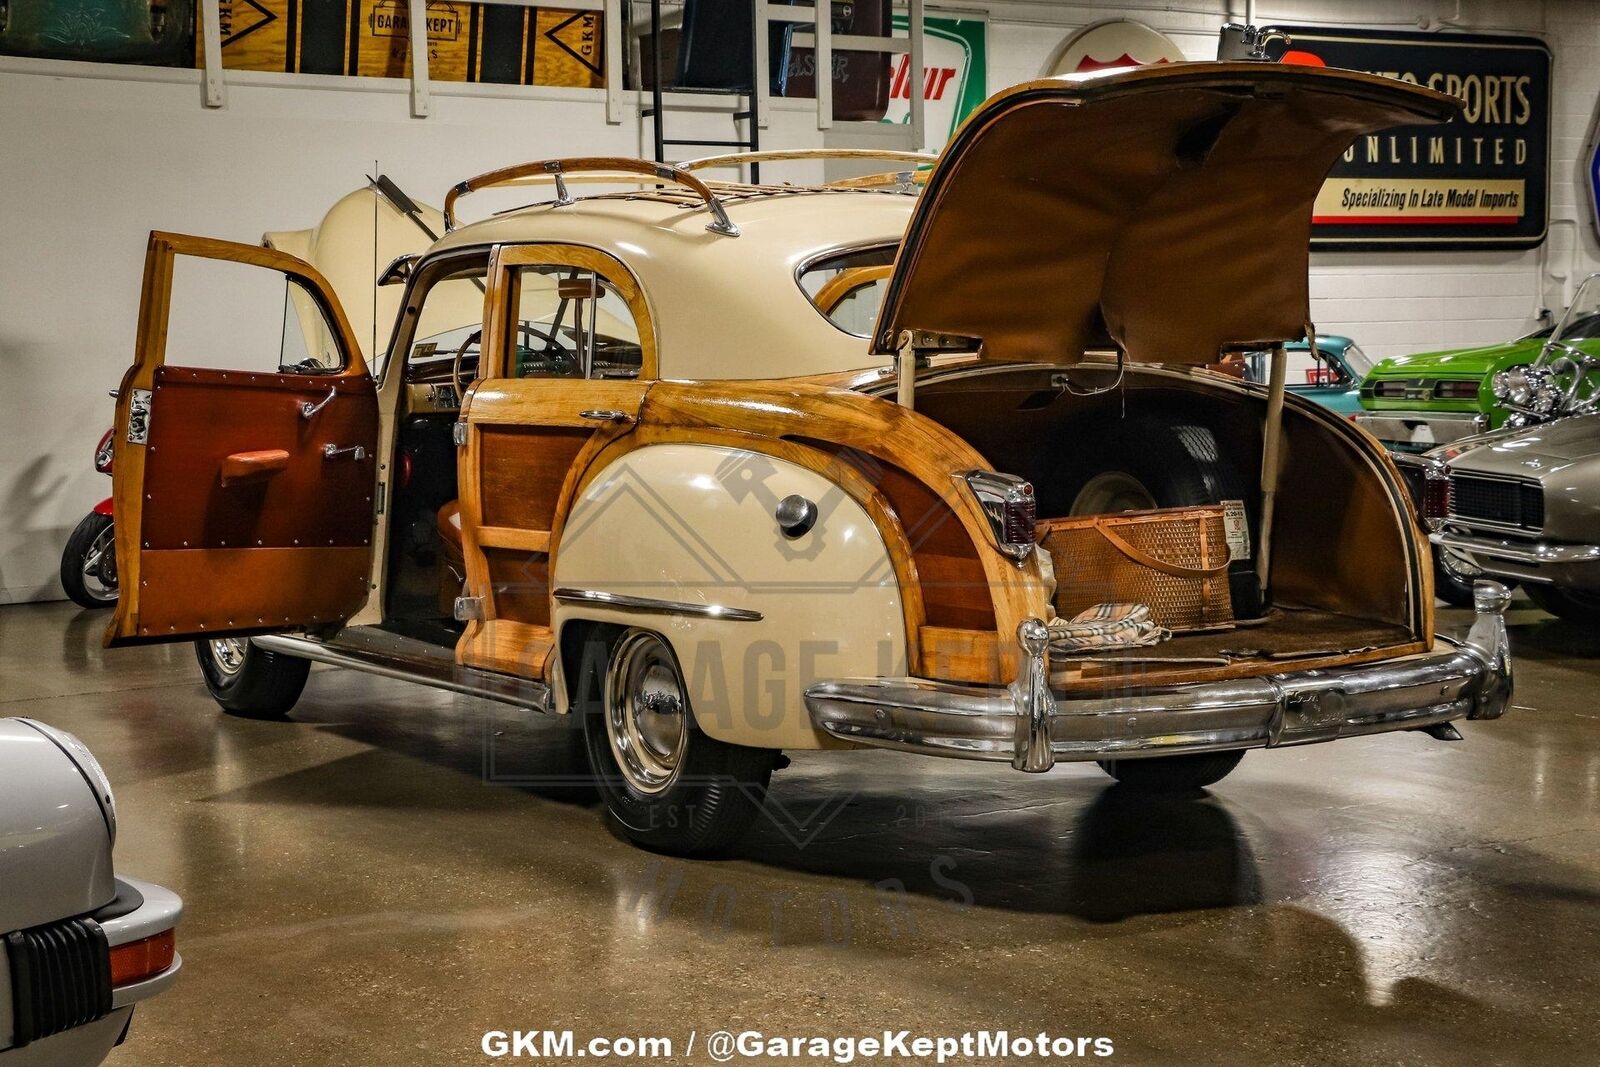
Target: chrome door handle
{"type": "Point", "coordinates": [309, 410]}
{"type": "Point", "coordinates": [333, 451]}
{"type": "Point", "coordinates": [600, 415]}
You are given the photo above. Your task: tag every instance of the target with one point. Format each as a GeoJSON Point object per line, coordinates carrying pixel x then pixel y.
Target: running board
{"type": "Point", "coordinates": [390, 655]}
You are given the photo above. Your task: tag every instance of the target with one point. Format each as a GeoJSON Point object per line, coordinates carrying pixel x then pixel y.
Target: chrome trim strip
{"type": "Point", "coordinates": [1031, 728]}
{"type": "Point", "coordinates": [650, 606]}
{"type": "Point", "coordinates": [1539, 553]}
{"type": "Point", "coordinates": [391, 656]}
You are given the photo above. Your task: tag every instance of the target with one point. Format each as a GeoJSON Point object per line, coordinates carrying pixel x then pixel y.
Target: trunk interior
{"type": "Point", "coordinates": [1339, 588]}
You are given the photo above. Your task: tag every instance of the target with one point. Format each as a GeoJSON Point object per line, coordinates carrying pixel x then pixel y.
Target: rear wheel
{"type": "Point", "coordinates": [249, 681]}
{"type": "Point", "coordinates": [89, 562]}
{"type": "Point", "coordinates": [669, 786]}
{"type": "Point", "coordinates": [1172, 774]}
{"type": "Point", "coordinates": [1573, 605]}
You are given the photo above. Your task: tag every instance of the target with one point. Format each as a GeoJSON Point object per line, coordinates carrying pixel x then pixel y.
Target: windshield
{"type": "Point", "coordinates": [1359, 362]}
{"type": "Point", "coordinates": [847, 287]}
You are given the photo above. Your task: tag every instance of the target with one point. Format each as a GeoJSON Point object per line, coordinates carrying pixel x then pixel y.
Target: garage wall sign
{"type": "Point", "coordinates": [1111, 45]}
{"type": "Point", "coordinates": [955, 75]}
{"type": "Point", "coordinates": [509, 44]}
{"type": "Point", "coordinates": [1479, 182]}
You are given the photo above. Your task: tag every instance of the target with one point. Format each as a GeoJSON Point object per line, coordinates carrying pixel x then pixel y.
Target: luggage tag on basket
{"type": "Point", "coordinates": [1236, 527]}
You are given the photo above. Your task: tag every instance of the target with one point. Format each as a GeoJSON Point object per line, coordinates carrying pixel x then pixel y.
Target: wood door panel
{"type": "Point", "coordinates": [522, 470]}
{"type": "Point", "coordinates": [220, 590]}
{"type": "Point", "coordinates": [199, 418]}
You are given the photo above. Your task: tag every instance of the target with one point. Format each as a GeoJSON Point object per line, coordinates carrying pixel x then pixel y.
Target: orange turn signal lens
{"type": "Point", "coordinates": [138, 960]}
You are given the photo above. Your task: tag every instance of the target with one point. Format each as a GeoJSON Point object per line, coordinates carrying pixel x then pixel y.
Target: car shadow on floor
{"type": "Point", "coordinates": [1100, 853]}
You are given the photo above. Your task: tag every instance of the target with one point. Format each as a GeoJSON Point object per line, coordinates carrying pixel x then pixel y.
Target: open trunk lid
{"type": "Point", "coordinates": [1165, 210]}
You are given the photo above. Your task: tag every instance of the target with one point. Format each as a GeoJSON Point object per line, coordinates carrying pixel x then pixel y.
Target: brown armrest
{"type": "Point", "coordinates": [253, 466]}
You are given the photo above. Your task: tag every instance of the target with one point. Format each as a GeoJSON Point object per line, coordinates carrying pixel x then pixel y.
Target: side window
{"type": "Point", "coordinates": [571, 323]}
{"type": "Point", "coordinates": [848, 287]}
{"type": "Point", "coordinates": [236, 316]}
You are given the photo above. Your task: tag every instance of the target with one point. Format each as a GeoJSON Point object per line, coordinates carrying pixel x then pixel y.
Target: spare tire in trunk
{"type": "Point", "coordinates": [1151, 461]}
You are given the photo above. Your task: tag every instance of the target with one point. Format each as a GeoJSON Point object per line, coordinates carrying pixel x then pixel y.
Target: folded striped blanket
{"type": "Point", "coordinates": [1107, 626]}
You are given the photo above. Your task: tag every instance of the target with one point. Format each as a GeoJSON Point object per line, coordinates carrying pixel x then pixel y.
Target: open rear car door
{"type": "Point", "coordinates": [243, 498]}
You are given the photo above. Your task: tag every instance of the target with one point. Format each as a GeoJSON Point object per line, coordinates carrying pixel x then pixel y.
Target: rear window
{"type": "Point", "coordinates": [847, 287]}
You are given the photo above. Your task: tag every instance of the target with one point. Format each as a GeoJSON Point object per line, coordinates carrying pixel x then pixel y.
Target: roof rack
{"type": "Point", "coordinates": [738, 159]}
{"type": "Point", "coordinates": [555, 170]}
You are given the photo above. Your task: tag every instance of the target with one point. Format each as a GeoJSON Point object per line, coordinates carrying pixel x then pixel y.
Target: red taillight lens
{"type": "Point", "coordinates": [1435, 498]}
{"type": "Point", "coordinates": [1021, 516]}
{"type": "Point", "coordinates": [138, 960]}
{"type": "Point", "coordinates": [1462, 389]}
{"type": "Point", "coordinates": [102, 453]}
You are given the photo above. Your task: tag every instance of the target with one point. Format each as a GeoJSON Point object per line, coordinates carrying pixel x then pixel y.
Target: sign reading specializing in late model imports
{"type": "Point", "coordinates": [1480, 181]}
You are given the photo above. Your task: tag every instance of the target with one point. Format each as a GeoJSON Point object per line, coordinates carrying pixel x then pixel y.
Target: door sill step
{"type": "Point", "coordinates": [390, 655]}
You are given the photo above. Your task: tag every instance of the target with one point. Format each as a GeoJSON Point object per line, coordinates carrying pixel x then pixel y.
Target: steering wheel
{"type": "Point", "coordinates": [455, 364]}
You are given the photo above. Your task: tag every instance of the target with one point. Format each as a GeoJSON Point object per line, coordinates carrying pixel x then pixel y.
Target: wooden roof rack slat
{"type": "Point", "coordinates": [556, 170]}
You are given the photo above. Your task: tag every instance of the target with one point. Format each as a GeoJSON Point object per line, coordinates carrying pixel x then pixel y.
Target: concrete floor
{"type": "Point", "coordinates": [369, 884]}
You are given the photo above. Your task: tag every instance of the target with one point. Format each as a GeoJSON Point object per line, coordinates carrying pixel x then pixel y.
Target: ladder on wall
{"type": "Point", "coordinates": [657, 111]}
{"type": "Point", "coordinates": [823, 42]}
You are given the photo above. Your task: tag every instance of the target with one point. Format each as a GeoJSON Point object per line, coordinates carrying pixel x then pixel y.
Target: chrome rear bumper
{"type": "Point", "coordinates": [1032, 728]}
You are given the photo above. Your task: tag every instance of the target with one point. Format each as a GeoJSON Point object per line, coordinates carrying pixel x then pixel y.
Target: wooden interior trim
{"type": "Point", "coordinates": [841, 285]}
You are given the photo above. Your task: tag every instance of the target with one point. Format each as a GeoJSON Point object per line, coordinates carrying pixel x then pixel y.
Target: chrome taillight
{"type": "Point", "coordinates": [102, 453]}
{"type": "Point", "coordinates": [1435, 496]}
{"type": "Point", "coordinates": [1008, 503]}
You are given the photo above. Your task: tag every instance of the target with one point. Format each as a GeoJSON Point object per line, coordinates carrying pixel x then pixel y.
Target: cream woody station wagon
{"type": "Point", "coordinates": [938, 461]}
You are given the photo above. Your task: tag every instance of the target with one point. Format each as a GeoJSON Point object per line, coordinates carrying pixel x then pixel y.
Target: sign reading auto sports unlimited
{"type": "Point", "coordinates": [1481, 181]}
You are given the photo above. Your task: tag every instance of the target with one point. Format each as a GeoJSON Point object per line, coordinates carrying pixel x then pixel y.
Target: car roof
{"type": "Point", "coordinates": [708, 291]}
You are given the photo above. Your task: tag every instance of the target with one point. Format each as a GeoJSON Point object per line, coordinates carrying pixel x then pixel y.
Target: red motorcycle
{"type": "Point", "coordinates": [89, 562]}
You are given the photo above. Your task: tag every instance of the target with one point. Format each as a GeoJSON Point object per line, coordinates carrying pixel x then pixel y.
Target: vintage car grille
{"type": "Point", "coordinates": [1504, 503]}
{"type": "Point", "coordinates": [60, 978]}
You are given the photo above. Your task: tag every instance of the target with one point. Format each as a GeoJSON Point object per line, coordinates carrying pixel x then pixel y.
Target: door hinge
{"type": "Point", "coordinates": [469, 609]}
{"type": "Point", "coordinates": [458, 433]}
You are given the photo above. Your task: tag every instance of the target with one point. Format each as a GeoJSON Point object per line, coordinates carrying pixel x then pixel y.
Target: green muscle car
{"type": "Point", "coordinates": [1414, 403]}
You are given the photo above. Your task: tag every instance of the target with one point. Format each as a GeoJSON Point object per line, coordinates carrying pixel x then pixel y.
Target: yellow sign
{"type": "Point", "coordinates": [1421, 201]}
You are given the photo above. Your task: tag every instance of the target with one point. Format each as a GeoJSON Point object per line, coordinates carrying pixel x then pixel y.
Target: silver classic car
{"type": "Point", "coordinates": [79, 946]}
{"type": "Point", "coordinates": [1524, 503]}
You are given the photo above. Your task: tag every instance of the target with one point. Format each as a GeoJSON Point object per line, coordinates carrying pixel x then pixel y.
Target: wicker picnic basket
{"type": "Point", "coordinates": [1173, 559]}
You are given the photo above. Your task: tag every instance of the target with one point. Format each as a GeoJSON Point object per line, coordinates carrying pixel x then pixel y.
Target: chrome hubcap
{"type": "Point", "coordinates": [646, 712]}
{"type": "Point", "coordinates": [100, 566]}
{"type": "Point", "coordinates": [228, 653]}
{"type": "Point", "coordinates": [1110, 492]}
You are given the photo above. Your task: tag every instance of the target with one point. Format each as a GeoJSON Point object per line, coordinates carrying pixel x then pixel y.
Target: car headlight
{"type": "Point", "coordinates": [1544, 399]}
{"type": "Point", "coordinates": [1511, 386]}
{"type": "Point", "coordinates": [88, 766]}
